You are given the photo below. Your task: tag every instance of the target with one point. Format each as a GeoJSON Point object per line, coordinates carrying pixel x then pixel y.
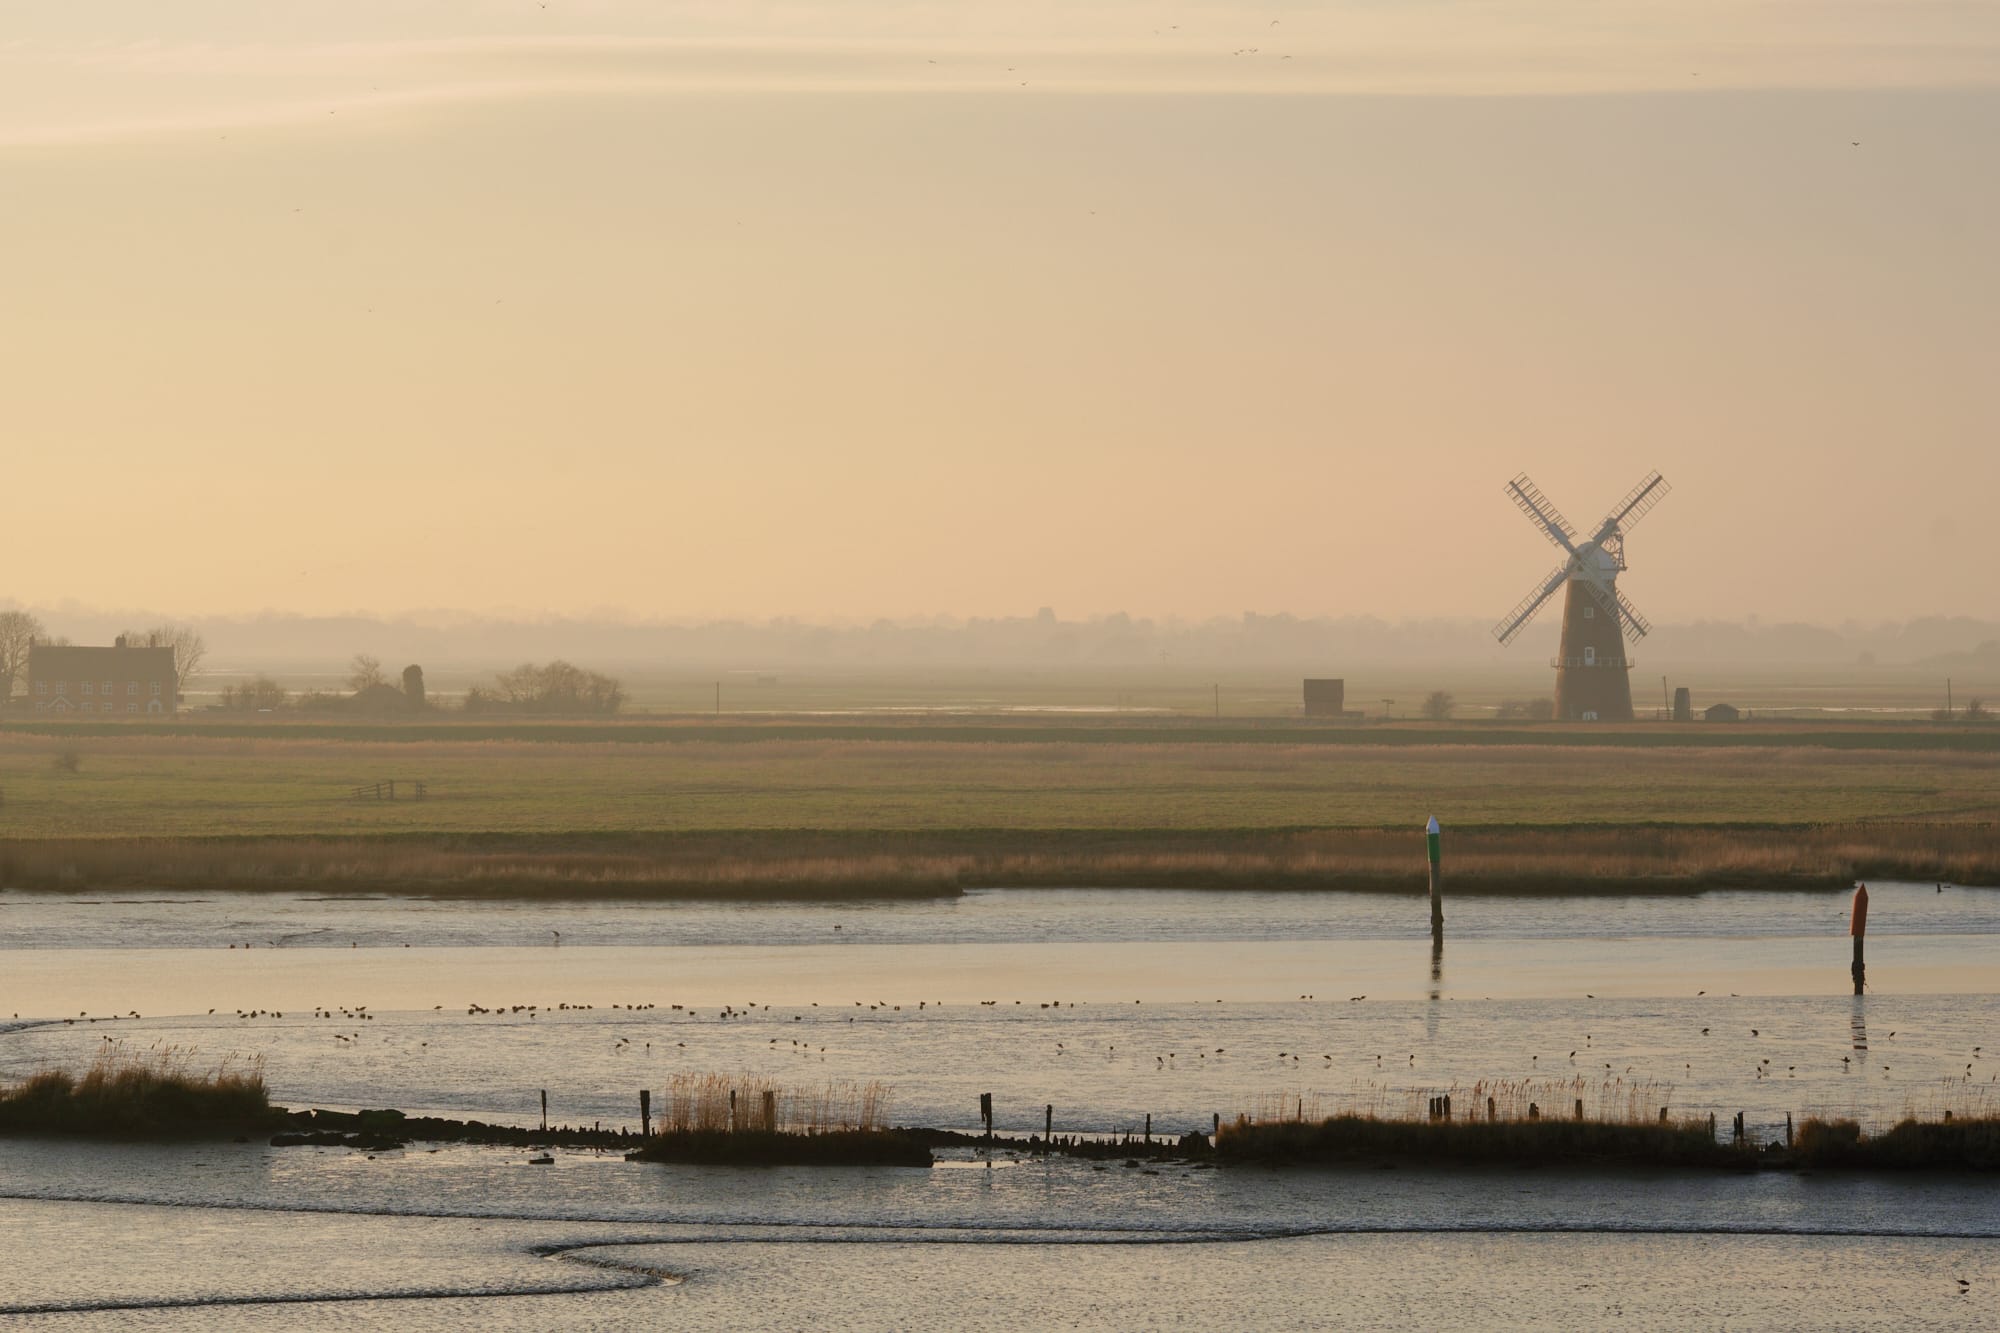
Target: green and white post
{"type": "Point", "coordinates": [1437, 890]}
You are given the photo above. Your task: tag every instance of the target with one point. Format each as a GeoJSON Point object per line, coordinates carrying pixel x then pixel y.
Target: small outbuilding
{"type": "Point", "coordinates": [1326, 697]}
{"type": "Point", "coordinates": [1721, 713]}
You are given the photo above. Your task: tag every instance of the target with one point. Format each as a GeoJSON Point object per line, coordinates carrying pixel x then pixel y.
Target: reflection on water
{"type": "Point", "coordinates": [1109, 1005]}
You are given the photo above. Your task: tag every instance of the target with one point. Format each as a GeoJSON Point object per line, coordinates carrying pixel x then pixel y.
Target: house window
{"type": "Point", "coordinates": [131, 687]}
{"type": "Point", "coordinates": [108, 688]}
{"type": "Point", "coordinates": [156, 688]}
{"type": "Point", "coordinates": [131, 708]}
{"type": "Point", "coordinates": [62, 687]}
{"type": "Point", "coordinates": [86, 687]}
{"type": "Point", "coordinates": [41, 687]}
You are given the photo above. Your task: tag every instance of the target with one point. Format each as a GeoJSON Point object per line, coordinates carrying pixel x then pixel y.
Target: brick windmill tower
{"type": "Point", "coordinates": [1592, 680]}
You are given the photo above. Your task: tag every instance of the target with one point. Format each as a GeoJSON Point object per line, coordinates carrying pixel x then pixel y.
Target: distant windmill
{"type": "Point", "coordinates": [1591, 666]}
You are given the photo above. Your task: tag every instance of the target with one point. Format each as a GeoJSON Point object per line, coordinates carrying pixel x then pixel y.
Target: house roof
{"type": "Point", "coordinates": [72, 662]}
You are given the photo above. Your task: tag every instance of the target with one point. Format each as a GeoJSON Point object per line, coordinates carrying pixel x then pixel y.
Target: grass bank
{"type": "Point", "coordinates": [812, 863]}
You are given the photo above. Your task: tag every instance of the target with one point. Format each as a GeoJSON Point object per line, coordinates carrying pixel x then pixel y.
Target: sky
{"type": "Point", "coordinates": [844, 310]}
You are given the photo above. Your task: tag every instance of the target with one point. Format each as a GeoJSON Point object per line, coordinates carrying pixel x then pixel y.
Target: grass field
{"type": "Point", "coordinates": [918, 807]}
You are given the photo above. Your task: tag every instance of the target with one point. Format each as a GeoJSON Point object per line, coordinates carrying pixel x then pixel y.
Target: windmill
{"type": "Point", "coordinates": [1591, 666]}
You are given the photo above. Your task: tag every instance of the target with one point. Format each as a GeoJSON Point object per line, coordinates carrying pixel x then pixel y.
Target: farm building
{"type": "Point", "coordinates": [1721, 713]}
{"type": "Point", "coordinates": [1326, 698]}
{"type": "Point", "coordinates": [124, 680]}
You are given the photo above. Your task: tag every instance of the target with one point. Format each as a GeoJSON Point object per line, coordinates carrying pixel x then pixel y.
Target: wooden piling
{"type": "Point", "coordinates": [732, 1110]}
{"type": "Point", "coordinates": [1218, 1124]}
{"type": "Point", "coordinates": [645, 1112]}
{"type": "Point", "coordinates": [1579, 1108]}
{"type": "Point", "coordinates": [545, 1110]}
{"type": "Point", "coordinates": [1491, 1108]}
{"type": "Point", "coordinates": [1432, 849]}
{"type": "Point", "coordinates": [1048, 1125]}
{"type": "Point", "coordinates": [770, 1110]}
{"type": "Point", "coordinates": [986, 1115]}
{"type": "Point", "coordinates": [1788, 1126]}
{"type": "Point", "coordinates": [1857, 926]}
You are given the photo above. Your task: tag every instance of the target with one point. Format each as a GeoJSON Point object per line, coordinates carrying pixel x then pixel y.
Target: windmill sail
{"type": "Point", "coordinates": [1517, 620]}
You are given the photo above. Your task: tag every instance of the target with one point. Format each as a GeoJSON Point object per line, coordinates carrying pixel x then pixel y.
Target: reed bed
{"type": "Point", "coordinates": [125, 1092]}
{"type": "Point", "coordinates": [1606, 1100]}
{"type": "Point", "coordinates": [819, 863]}
{"type": "Point", "coordinates": [728, 1104]}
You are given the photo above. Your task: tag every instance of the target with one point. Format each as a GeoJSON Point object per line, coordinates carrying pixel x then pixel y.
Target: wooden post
{"type": "Point", "coordinates": [732, 1110]}
{"type": "Point", "coordinates": [1048, 1126]}
{"type": "Point", "coordinates": [1149, 1127]}
{"type": "Point", "coordinates": [1663, 1115]}
{"type": "Point", "coordinates": [1218, 1123]}
{"type": "Point", "coordinates": [1431, 840]}
{"type": "Point", "coordinates": [1579, 1108]}
{"type": "Point", "coordinates": [770, 1110]}
{"type": "Point", "coordinates": [645, 1112]}
{"type": "Point", "coordinates": [1857, 926]}
{"type": "Point", "coordinates": [1788, 1126]}
{"type": "Point", "coordinates": [1447, 1106]}
{"type": "Point", "coordinates": [1490, 1109]}
{"type": "Point", "coordinates": [986, 1115]}
{"type": "Point", "coordinates": [545, 1110]}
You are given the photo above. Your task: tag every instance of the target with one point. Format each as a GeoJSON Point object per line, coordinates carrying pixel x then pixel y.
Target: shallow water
{"type": "Point", "coordinates": [1109, 1005]}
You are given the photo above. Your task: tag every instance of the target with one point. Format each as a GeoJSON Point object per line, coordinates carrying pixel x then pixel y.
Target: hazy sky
{"type": "Point", "coordinates": [848, 309]}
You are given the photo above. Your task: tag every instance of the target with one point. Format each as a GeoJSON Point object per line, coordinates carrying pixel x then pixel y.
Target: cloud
{"type": "Point", "coordinates": [75, 87]}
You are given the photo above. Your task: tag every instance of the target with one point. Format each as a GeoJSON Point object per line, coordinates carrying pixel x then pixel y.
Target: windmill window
{"type": "Point", "coordinates": [1589, 613]}
{"type": "Point", "coordinates": [1590, 657]}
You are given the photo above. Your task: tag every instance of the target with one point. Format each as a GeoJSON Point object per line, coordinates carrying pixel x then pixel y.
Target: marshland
{"type": "Point", "coordinates": [752, 809]}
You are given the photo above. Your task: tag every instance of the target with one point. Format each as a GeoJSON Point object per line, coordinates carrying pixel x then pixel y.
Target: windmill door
{"type": "Point", "coordinates": [1590, 657]}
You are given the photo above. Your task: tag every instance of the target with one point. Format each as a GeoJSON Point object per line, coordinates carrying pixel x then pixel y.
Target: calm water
{"type": "Point", "coordinates": [1110, 1005]}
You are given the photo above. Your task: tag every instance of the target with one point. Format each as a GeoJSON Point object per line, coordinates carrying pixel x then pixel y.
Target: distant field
{"type": "Point", "coordinates": [212, 782]}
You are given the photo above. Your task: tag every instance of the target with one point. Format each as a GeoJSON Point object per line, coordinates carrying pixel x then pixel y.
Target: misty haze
{"type": "Point", "coordinates": [974, 666]}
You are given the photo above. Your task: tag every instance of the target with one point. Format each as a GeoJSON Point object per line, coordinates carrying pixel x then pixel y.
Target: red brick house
{"type": "Point", "coordinates": [125, 680]}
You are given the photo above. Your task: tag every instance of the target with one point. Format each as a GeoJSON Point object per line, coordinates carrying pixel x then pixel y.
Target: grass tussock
{"type": "Point", "coordinates": [1953, 1143]}
{"type": "Point", "coordinates": [721, 1104]}
{"type": "Point", "coordinates": [128, 1094]}
{"type": "Point", "coordinates": [1492, 1120]}
{"type": "Point", "coordinates": [1358, 1138]}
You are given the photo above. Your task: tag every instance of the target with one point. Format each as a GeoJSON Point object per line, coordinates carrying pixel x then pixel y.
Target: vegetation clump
{"type": "Point", "coordinates": [1363, 1138]}
{"type": "Point", "coordinates": [127, 1095]}
{"type": "Point", "coordinates": [1954, 1144]}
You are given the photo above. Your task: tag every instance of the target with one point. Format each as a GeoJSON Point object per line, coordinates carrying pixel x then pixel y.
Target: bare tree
{"type": "Point", "coordinates": [189, 647]}
{"type": "Point", "coordinates": [364, 673]}
{"type": "Point", "coordinates": [255, 696]}
{"type": "Point", "coordinates": [18, 629]}
{"type": "Point", "coordinates": [1438, 705]}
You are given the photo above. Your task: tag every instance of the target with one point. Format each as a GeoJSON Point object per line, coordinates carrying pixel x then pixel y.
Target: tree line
{"type": "Point", "coordinates": [553, 689]}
